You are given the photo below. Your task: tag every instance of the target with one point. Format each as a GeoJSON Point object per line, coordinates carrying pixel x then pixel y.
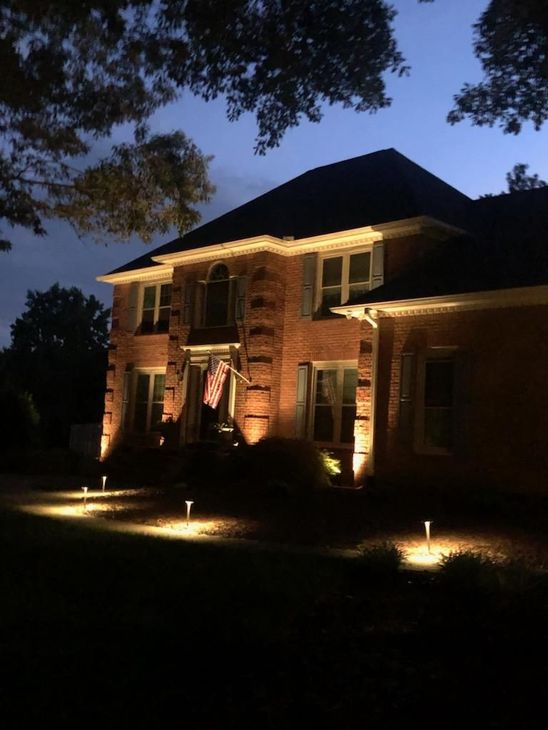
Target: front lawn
{"type": "Point", "coordinates": [118, 629]}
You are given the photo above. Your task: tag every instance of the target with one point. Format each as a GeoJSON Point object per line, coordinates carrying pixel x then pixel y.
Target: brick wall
{"type": "Point", "coordinates": [502, 399]}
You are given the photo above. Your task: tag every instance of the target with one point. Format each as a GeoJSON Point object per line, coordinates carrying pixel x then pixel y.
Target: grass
{"type": "Point", "coordinates": [108, 628]}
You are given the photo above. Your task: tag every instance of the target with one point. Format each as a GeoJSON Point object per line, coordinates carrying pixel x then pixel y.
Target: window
{"type": "Point", "coordinates": [342, 278]}
{"type": "Point", "coordinates": [149, 401]}
{"type": "Point", "coordinates": [439, 396]}
{"type": "Point", "coordinates": [156, 308]}
{"type": "Point", "coordinates": [334, 403]}
{"type": "Point", "coordinates": [218, 302]}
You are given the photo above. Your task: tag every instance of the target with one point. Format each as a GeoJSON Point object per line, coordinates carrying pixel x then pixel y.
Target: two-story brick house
{"type": "Point", "coordinates": [372, 307]}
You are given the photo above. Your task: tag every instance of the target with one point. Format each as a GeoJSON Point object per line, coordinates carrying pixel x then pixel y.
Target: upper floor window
{"type": "Point", "coordinates": [219, 307]}
{"type": "Point", "coordinates": [343, 277]}
{"type": "Point", "coordinates": [156, 308]}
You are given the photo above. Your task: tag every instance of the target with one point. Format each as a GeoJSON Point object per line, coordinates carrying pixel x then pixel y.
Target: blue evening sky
{"type": "Point", "coordinates": [436, 40]}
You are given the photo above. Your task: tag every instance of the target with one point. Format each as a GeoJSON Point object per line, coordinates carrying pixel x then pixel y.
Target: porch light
{"type": "Point", "coordinates": [427, 530]}
{"type": "Point", "coordinates": [189, 504]}
{"type": "Point", "coordinates": [85, 491]}
{"type": "Point", "coordinates": [104, 479]}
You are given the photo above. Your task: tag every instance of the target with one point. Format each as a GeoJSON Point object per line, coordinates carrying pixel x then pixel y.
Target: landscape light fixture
{"type": "Point", "coordinates": [427, 530]}
{"type": "Point", "coordinates": [189, 504]}
{"type": "Point", "coordinates": [104, 478]}
{"type": "Point", "coordinates": [85, 491]}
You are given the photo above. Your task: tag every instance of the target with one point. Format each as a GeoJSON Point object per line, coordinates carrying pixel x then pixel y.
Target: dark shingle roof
{"type": "Point", "coordinates": [509, 250]}
{"type": "Point", "coordinates": [372, 189]}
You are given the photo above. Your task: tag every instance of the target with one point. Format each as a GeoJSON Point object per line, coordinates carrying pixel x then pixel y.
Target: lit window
{"type": "Point", "coordinates": [149, 401]}
{"type": "Point", "coordinates": [343, 278]}
{"type": "Point", "coordinates": [218, 304]}
{"type": "Point", "coordinates": [156, 308]}
{"type": "Point", "coordinates": [334, 406]}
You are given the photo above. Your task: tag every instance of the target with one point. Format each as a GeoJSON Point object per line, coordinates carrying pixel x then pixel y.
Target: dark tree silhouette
{"type": "Point", "coordinates": [58, 354]}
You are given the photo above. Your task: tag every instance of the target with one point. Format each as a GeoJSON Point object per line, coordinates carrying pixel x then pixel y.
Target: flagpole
{"type": "Point", "coordinates": [233, 370]}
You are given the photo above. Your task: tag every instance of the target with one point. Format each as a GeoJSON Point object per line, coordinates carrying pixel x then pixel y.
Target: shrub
{"type": "Point", "coordinates": [469, 570]}
{"type": "Point", "coordinates": [332, 465]}
{"type": "Point", "coordinates": [142, 467]}
{"type": "Point", "coordinates": [20, 419]}
{"type": "Point", "coordinates": [292, 465]}
{"type": "Point", "coordinates": [381, 560]}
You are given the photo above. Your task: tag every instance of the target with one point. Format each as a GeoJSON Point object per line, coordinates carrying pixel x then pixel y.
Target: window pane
{"type": "Point", "coordinates": [158, 388]}
{"type": "Point", "coordinates": [140, 420]}
{"type": "Point", "coordinates": [357, 290]}
{"type": "Point", "coordinates": [347, 424]}
{"type": "Point", "coordinates": [323, 423]}
{"type": "Point", "coordinates": [156, 415]}
{"type": "Point", "coordinates": [360, 264]}
{"type": "Point", "coordinates": [163, 319]}
{"type": "Point", "coordinates": [439, 381]}
{"type": "Point", "coordinates": [142, 388]}
{"type": "Point", "coordinates": [326, 387]}
{"type": "Point", "coordinates": [165, 295]}
{"type": "Point", "coordinates": [217, 303]}
{"type": "Point", "coordinates": [332, 271]}
{"type": "Point", "coordinates": [350, 383]}
{"type": "Point", "coordinates": [149, 297]}
{"type": "Point", "coordinates": [438, 427]}
{"type": "Point", "coordinates": [147, 324]}
{"type": "Point", "coordinates": [330, 298]}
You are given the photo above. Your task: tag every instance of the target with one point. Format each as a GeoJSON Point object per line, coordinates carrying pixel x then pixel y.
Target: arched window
{"type": "Point", "coordinates": [218, 297]}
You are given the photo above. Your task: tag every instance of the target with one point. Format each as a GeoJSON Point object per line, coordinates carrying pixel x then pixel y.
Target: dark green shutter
{"type": "Point", "coordinates": [377, 265]}
{"type": "Point", "coordinates": [187, 302]}
{"type": "Point", "coordinates": [132, 304]}
{"type": "Point", "coordinates": [309, 277]}
{"type": "Point", "coordinates": [301, 399]}
{"type": "Point", "coordinates": [407, 392]}
{"type": "Point", "coordinates": [241, 287]}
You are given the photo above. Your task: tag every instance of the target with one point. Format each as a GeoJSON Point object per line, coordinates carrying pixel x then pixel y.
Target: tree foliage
{"type": "Point", "coordinates": [518, 179]}
{"type": "Point", "coordinates": [511, 42]}
{"type": "Point", "coordinates": [58, 354]}
{"type": "Point", "coordinates": [71, 72]}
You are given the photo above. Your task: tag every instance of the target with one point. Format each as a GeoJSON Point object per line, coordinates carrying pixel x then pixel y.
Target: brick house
{"type": "Point", "coordinates": [372, 307]}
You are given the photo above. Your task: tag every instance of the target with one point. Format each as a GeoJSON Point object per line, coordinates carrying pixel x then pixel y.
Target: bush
{"type": "Point", "coordinates": [383, 559]}
{"type": "Point", "coordinates": [281, 464]}
{"type": "Point", "coordinates": [20, 420]}
{"type": "Point", "coordinates": [143, 467]}
{"type": "Point", "coordinates": [469, 570]}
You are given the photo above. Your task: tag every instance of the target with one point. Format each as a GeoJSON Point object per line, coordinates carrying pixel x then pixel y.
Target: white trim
{"type": "Point", "coordinates": [338, 366]}
{"type": "Point", "coordinates": [214, 349]}
{"type": "Point", "coordinates": [516, 297]}
{"type": "Point", "coordinates": [151, 273]}
{"type": "Point", "coordinates": [286, 246]}
{"type": "Point", "coordinates": [297, 247]}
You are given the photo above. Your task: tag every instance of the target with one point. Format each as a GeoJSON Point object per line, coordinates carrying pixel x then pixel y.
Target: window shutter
{"type": "Point", "coordinates": [309, 276]}
{"type": "Point", "coordinates": [302, 392]}
{"type": "Point", "coordinates": [377, 265]}
{"type": "Point", "coordinates": [463, 380]}
{"type": "Point", "coordinates": [198, 304]}
{"type": "Point", "coordinates": [187, 302]}
{"type": "Point", "coordinates": [407, 390]}
{"type": "Point", "coordinates": [133, 301]}
{"type": "Point", "coordinates": [241, 287]}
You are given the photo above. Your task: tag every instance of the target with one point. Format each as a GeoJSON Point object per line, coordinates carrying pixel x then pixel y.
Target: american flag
{"type": "Point", "coordinates": [217, 370]}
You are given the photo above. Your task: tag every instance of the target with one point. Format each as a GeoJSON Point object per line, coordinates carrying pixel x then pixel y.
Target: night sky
{"type": "Point", "coordinates": [436, 40]}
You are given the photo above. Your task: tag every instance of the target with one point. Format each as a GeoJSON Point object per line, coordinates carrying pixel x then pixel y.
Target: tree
{"type": "Point", "coordinates": [518, 179]}
{"type": "Point", "coordinates": [511, 41]}
{"type": "Point", "coordinates": [58, 354]}
{"type": "Point", "coordinates": [71, 72]}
